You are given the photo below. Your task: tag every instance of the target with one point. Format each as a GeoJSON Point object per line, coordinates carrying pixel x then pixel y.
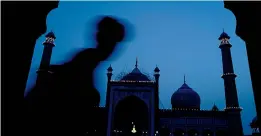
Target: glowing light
{"type": "Point", "coordinates": [236, 108]}
{"type": "Point", "coordinates": [130, 81]}
{"type": "Point", "coordinates": [224, 41]}
{"type": "Point", "coordinates": [133, 128]}
{"type": "Point", "coordinates": [49, 40]}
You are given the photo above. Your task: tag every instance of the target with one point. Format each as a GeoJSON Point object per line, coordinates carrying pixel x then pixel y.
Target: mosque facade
{"type": "Point", "coordinates": [185, 118]}
{"type": "Point", "coordinates": [132, 105]}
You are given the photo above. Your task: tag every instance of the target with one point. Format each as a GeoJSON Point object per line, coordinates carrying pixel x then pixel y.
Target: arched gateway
{"type": "Point", "coordinates": [131, 103]}
{"type": "Point", "coordinates": [130, 113]}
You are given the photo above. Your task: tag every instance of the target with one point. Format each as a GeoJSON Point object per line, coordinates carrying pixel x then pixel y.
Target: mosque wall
{"type": "Point", "coordinates": [199, 124]}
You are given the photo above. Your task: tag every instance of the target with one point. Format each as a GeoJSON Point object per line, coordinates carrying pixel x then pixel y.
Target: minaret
{"type": "Point", "coordinates": [157, 75]}
{"type": "Point", "coordinates": [109, 75]}
{"type": "Point", "coordinates": [232, 105]}
{"type": "Point", "coordinates": [46, 57]}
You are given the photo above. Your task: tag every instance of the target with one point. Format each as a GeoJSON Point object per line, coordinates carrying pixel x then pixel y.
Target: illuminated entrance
{"type": "Point", "coordinates": [131, 117]}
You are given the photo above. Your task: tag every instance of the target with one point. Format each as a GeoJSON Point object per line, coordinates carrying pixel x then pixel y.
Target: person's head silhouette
{"type": "Point", "coordinates": [109, 31]}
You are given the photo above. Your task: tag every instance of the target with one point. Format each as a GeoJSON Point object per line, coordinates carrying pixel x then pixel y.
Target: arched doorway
{"type": "Point", "coordinates": [164, 131]}
{"type": "Point", "coordinates": [129, 113]}
{"type": "Point", "coordinates": [192, 132]}
{"type": "Point", "coordinates": [221, 132]}
{"type": "Point", "coordinates": [207, 132]}
{"type": "Point", "coordinates": [179, 132]}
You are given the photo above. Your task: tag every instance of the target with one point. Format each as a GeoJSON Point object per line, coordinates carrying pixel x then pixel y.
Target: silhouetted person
{"type": "Point", "coordinates": [64, 105]}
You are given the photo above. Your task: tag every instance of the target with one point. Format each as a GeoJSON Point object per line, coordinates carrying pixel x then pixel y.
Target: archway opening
{"type": "Point", "coordinates": [221, 132]}
{"type": "Point", "coordinates": [131, 117]}
{"type": "Point", "coordinates": [164, 131]}
{"type": "Point", "coordinates": [179, 132]}
{"type": "Point", "coordinates": [207, 132]}
{"type": "Point", "coordinates": [192, 132]}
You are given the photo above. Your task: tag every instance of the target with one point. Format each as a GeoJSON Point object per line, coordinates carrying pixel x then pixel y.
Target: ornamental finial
{"type": "Point", "coordinates": [136, 65]}
{"type": "Point", "coordinates": [184, 78]}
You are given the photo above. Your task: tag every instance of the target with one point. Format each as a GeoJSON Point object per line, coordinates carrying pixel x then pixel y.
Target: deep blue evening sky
{"type": "Point", "coordinates": [179, 37]}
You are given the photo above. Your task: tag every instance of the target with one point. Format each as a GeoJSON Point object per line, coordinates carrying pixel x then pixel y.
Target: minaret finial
{"type": "Point", "coordinates": [184, 78]}
{"type": "Point", "coordinates": [136, 65]}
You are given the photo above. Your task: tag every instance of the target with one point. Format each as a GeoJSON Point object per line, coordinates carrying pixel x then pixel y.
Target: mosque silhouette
{"type": "Point", "coordinates": [132, 103]}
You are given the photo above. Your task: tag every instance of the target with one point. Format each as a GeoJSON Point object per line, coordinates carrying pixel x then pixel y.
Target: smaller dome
{"type": "Point", "coordinates": [223, 35]}
{"type": "Point", "coordinates": [254, 123]}
{"type": "Point", "coordinates": [185, 97]}
{"type": "Point", "coordinates": [215, 108]}
{"type": "Point", "coordinates": [254, 119]}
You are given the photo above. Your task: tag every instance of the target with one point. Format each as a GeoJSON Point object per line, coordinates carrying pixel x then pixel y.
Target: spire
{"type": "Point", "coordinates": [184, 79]}
{"type": "Point", "coordinates": [223, 35]}
{"type": "Point", "coordinates": [157, 70]}
{"type": "Point", "coordinates": [136, 65]}
{"type": "Point", "coordinates": [110, 69]}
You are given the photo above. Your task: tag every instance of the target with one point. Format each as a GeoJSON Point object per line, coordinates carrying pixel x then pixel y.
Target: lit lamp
{"type": "Point", "coordinates": [133, 129]}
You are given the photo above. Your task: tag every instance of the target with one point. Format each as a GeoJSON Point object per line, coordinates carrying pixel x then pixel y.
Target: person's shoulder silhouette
{"type": "Point", "coordinates": [71, 92]}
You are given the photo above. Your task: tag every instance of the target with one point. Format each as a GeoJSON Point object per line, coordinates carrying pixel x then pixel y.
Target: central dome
{"type": "Point", "coordinates": [136, 75]}
{"type": "Point", "coordinates": [185, 97]}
